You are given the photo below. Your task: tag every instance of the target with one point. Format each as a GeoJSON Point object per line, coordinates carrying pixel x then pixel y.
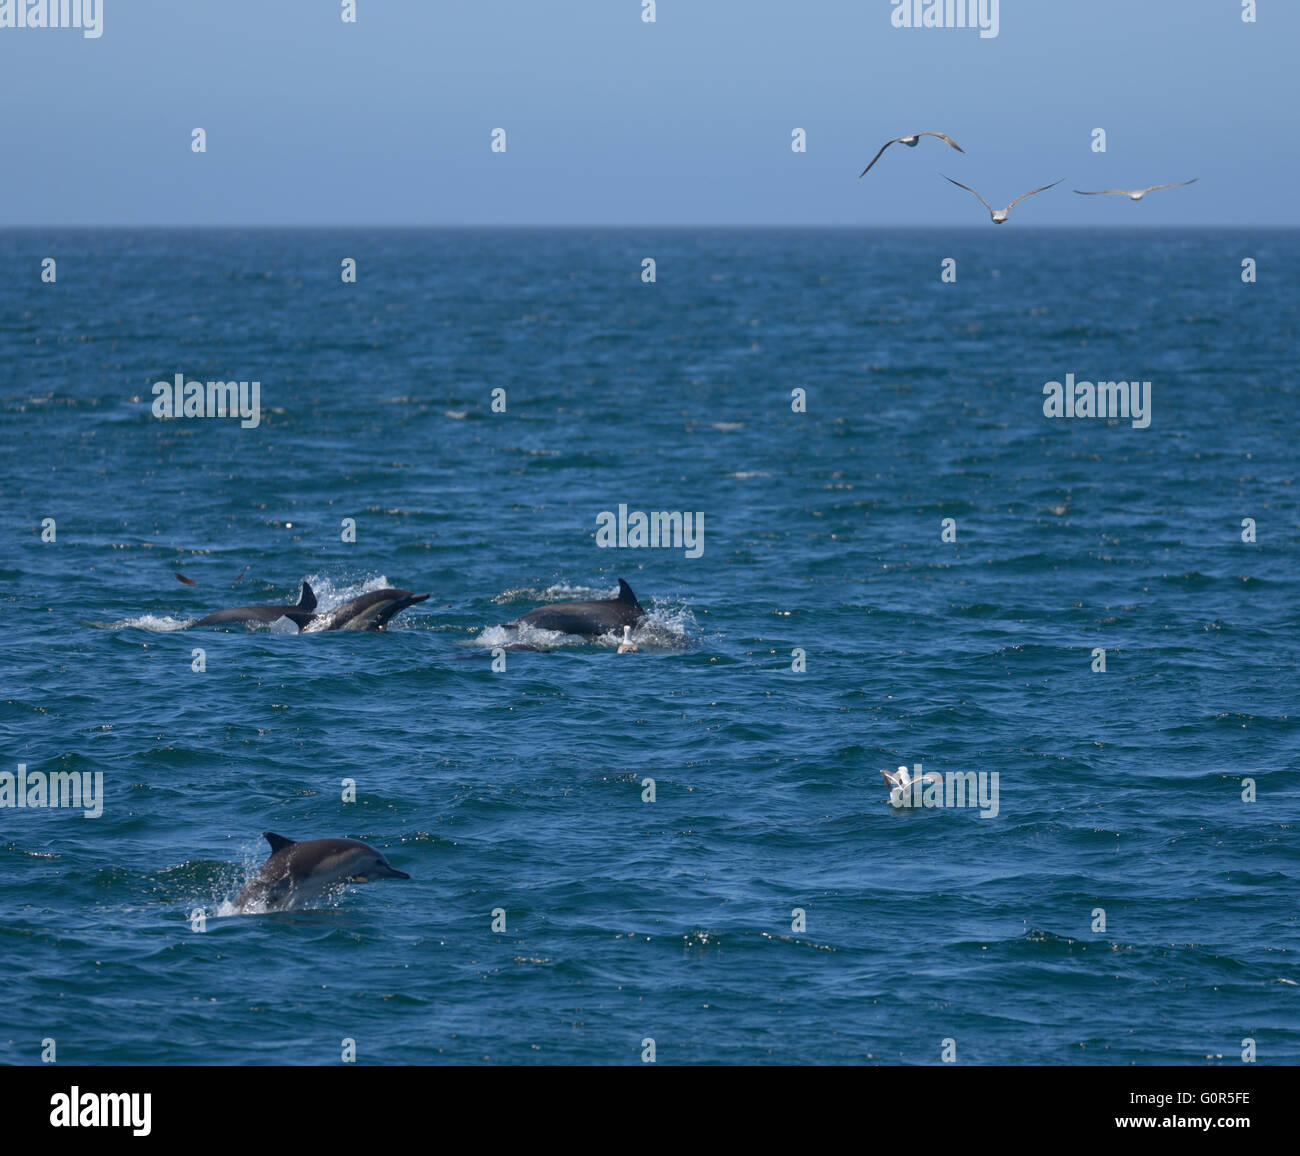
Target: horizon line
{"type": "Point", "coordinates": [820, 226]}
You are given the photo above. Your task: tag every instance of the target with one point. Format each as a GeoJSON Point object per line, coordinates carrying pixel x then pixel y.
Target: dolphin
{"type": "Point", "coordinates": [300, 614]}
{"type": "Point", "coordinates": [370, 611]}
{"type": "Point", "coordinates": [591, 619]}
{"type": "Point", "coordinates": [297, 873]}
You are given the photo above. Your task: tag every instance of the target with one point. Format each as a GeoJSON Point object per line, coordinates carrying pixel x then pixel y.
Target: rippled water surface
{"type": "Point", "coordinates": [521, 790]}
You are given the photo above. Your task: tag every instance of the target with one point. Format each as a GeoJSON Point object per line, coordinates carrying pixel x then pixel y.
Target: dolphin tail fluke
{"type": "Point", "coordinates": [307, 603]}
{"type": "Point", "coordinates": [625, 594]}
{"type": "Point", "coordinates": [278, 842]}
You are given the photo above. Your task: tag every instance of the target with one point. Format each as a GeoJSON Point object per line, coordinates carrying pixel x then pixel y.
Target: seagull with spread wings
{"type": "Point", "coordinates": [911, 142]}
{"type": "Point", "coordinates": [904, 790]}
{"type": "Point", "coordinates": [1136, 194]}
{"type": "Point", "coordinates": [1000, 215]}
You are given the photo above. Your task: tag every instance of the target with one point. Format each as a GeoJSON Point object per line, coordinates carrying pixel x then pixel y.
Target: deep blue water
{"type": "Point", "coordinates": [522, 789]}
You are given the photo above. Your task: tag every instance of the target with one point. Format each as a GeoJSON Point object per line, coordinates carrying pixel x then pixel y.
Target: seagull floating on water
{"type": "Point", "coordinates": [1000, 215]}
{"type": "Point", "coordinates": [904, 789]}
{"type": "Point", "coordinates": [1135, 194]}
{"type": "Point", "coordinates": [911, 142]}
{"type": "Point", "coordinates": [627, 646]}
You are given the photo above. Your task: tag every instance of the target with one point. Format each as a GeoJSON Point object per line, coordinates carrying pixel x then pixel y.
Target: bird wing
{"type": "Point", "coordinates": [969, 190]}
{"type": "Point", "coordinates": [1178, 185]}
{"type": "Point", "coordinates": [944, 137]}
{"type": "Point", "coordinates": [878, 155]}
{"type": "Point", "coordinates": [1103, 192]}
{"type": "Point", "coordinates": [1032, 192]}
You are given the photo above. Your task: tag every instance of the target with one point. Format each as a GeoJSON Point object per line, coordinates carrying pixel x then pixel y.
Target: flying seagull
{"type": "Point", "coordinates": [904, 789]}
{"type": "Point", "coordinates": [1136, 194]}
{"type": "Point", "coordinates": [1000, 215]}
{"type": "Point", "coordinates": [911, 142]}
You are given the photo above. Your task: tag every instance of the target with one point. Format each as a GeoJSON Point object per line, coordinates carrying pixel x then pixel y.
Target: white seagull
{"type": "Point", "coordinates": [1135, 194]}
{"type": "Point", "coordinates": [1000, 215]}
{"type": "Point", "coordinates": [905, 790]}
{"type": "Point", "coordinates": [627, 646]}
{"type": "Point", "coordinates": [911, 142]}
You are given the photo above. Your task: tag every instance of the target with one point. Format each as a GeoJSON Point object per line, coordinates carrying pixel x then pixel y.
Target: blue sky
{"type": "Point", "coordinates": [613, 121]}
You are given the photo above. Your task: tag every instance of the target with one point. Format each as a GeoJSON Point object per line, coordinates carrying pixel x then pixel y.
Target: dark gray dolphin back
{"type": "Point", "coordinates": [590, 619]}
{"type": "Point", "coordinates": [293, 866]}
{"type": "Point", "coordinates": [273, 882]}
{"type": "Point", "coordinates": [300, 614]}
{"type": "Point", "coordinates": [371, 611]}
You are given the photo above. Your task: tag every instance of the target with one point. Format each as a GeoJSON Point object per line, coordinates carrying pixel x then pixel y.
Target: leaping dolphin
{"type": "Point", "coordinates": [300, 614]}
{"type": "Point", "coordinates": [298, 873]}
{"type": "Point", "coordinates": [370, 611]}
{"type": "Point", "coordinates": [590, 619]}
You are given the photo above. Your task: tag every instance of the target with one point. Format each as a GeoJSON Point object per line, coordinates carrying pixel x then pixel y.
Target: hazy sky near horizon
{"type": "Point", "coordinates": [613, 121]}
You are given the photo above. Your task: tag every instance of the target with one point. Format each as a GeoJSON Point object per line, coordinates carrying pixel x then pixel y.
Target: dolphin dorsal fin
{"type": "Point", "coordinates": [278, 842]}
{"type": "Point", "coordinates": [307, 602]}
{"type": "Point", "coordinates": [625, 594]}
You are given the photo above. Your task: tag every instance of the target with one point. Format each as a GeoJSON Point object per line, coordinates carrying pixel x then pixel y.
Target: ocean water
{"type": "Point", "coordinates": [769, 905]}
